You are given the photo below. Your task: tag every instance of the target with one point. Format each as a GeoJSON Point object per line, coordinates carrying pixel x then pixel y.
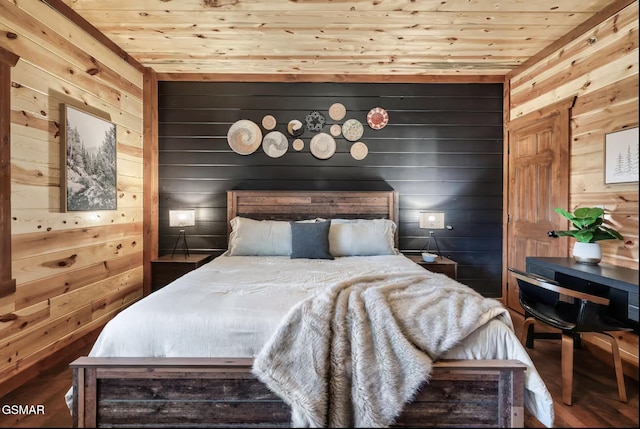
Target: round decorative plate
{"type": "Point", "coordinates": [315, 121]}
{"type": "Point", "coordinates": [322, 146]}
{"type": "Point", "coordinates": [298, 144]}
{"type": "Point", "coordinates": [295, 128]}
{"type": "Point", "coordinates": [352, 129]}
{"type": "Point", "coordinates": [269, 122]}
{"type": "Point", "coordinates": [337, 111]}
{"type": "Point", "coordinates": [359, 151]}
{"type": "Point", "coordinates": [275, 144]}
{"type": "Point", "coordinates": [335, 130]}
{"type": "Point", "coordinates": [244, 136]}
{"type": "Point", "coordinates": [377, 118]}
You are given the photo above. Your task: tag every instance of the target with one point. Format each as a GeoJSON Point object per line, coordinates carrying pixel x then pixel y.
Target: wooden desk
{"type": "Point", "coordinates": [619, 284]}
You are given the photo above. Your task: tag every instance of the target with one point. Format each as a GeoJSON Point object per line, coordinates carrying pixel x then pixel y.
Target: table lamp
{"type": "Point", "coordinates": [182, 218]}
{"type": "Point", "coordinates": [432, 220]}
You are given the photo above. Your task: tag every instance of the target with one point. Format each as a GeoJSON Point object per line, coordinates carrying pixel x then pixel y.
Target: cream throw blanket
{"type": "Point", "coordinates": [353, 355]}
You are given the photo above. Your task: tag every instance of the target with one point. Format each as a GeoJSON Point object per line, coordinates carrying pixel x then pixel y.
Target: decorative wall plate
{"type": "Point", "coordinates": [275, 144]}
{"type": "Point", "coordinates": [377, 118]}
{"type": "Point", "coordinates": [352, 129]}
{"type": "Point", "coordinates": [359, 151]}
{"type": "Point", "coordinates": [269, 122]}
{"type": "Point", "coordinates": [315, 121]}
{"type": "Point", "coordinates": [337, 111]}
{"type": "Point", "coordinates": [295, 128]}
{"type": "Point", "coordinates": [322, 146]}
{"type": "Point", "coordinates": [298, 144]}
{"type": "Point", "coordinates": [335, 130]}
{"type": "Point", "coordinates": [244, 136]}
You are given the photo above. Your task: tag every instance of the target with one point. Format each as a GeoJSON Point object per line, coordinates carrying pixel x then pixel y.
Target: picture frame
{"type": "Point", "coordinates": [89, 160]}
{"type": "Point", "coordinates": [621, 156]}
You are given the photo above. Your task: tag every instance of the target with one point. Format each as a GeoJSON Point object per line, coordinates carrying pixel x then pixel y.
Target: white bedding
{"type": "Point", "coordinates": [231, 306]}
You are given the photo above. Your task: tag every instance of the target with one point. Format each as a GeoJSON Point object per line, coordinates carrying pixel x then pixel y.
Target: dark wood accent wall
{"type": "Point", "coordinates": [442, 151]}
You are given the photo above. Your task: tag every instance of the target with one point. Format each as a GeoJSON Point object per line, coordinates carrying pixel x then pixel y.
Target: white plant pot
{"type": "Point", "coordinates": [587, 253]}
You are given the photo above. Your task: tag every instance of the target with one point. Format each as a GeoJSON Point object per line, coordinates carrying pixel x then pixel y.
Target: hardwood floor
{"type": "Point", "coordinates": [595, 394]}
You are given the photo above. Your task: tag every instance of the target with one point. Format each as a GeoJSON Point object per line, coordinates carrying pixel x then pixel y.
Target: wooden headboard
{"type": "Point", "coordinates": [299, 205]}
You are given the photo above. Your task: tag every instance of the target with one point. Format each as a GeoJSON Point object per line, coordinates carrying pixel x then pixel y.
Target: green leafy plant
{"type": "Point", "coordinates": [589, 224]}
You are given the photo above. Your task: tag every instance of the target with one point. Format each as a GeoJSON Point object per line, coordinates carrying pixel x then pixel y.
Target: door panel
{"type": "Point", "coordinates": [538, 183]}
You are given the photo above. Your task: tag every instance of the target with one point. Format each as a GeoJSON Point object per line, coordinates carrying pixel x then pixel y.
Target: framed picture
{"type": "Point", "coordinates": [89, 155]}
{"type": "Point", "coordinates": [621, 156]}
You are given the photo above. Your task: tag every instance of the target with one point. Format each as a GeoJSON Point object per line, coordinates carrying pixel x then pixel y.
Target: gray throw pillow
{"type": "Point", "coordinates": [310, 240]}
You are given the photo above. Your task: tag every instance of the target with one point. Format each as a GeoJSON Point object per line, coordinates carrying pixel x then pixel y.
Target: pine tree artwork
{"type": "Point", "coordinates": [90, 157]}
{"type": "Point", "coordinates": [621, 156]}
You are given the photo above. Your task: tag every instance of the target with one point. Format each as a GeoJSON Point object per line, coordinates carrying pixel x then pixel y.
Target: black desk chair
{"type": "Point", "coordinates": [572, 312]}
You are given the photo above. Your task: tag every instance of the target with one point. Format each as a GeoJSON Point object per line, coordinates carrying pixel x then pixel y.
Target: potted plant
{"type": "Point", "coordinates": [590, 229]}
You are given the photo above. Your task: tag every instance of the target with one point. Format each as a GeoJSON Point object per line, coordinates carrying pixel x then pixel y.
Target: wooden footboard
{"type": "Point", "coordinates": [213, 392]}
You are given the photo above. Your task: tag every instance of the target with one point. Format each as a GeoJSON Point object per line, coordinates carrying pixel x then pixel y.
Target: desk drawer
{"type": "Point", "coordinates": [633, 306]}
{"type": "Point", "coordinates": [541, 271]}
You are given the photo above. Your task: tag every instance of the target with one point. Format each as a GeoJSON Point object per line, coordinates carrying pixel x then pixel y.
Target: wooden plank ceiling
{"type": "Point", "coordinates": [355, 37]}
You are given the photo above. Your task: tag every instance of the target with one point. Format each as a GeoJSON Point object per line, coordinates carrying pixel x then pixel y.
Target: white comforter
{"type": "Point", "coordinates": [231, 306]}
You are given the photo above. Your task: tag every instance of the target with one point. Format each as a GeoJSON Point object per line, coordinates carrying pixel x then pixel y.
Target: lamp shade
{"type": "Point", "coordinates": [182, 217]}
{"type": "Point", "coordinates": [432, 220]}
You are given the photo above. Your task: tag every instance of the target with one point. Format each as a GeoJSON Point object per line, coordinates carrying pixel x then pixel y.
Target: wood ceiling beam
{"type": "Point", "coordinates": [62, 8]}
{"type": "Point", "coordinates": [596, 19]}
{"type": "Point", "coordinates": [234, 77]}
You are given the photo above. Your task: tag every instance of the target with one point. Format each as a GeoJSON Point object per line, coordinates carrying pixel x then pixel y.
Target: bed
{"type": "Point", "coordinates": [217, 346]}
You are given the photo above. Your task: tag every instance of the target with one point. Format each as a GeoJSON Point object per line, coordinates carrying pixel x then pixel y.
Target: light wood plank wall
{"type": "Point", "coordinates": [73, 271]}
{"type": "Point", "coordinates": [600, 68]}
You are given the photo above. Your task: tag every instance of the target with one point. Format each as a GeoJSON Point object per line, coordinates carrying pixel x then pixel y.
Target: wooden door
{"type": "Point", "coordinates": [538, 182]}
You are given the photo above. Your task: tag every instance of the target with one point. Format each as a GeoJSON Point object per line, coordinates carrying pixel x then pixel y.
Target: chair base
{"type": "Point", "coordinates": [529, 335]}
{"type": "Point", "coordinates": [569, 342]}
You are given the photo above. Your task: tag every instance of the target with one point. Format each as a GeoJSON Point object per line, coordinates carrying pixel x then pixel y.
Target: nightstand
{"type": "Point", "coordinates": [442, 265]}
{"type": "Point", "coordinates": [166, 269]}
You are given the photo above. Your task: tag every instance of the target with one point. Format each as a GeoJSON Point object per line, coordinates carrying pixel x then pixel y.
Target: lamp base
{"type": "Point", "coordinates": [425, 249]}
{"type": "Point", "coordinates": [185, 248]}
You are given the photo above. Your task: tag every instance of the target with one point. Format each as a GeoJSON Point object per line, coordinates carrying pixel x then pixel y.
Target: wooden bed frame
{"type": "Point", "coordinates": [220, 392]}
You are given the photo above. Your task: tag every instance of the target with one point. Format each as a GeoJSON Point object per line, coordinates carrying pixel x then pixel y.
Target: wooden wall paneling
{"type": "Point", "coordinates": [12, 376]}
{"type": "Point", "coordinates": [76, 269]}
{"type": "Point", "coordinates": [22, 319]}
{"type": "Point", "coordinates": [39, 243]}
{"type": "Point", "coordinates": [603, 75]}
{"type": "Point", "coordinates": [53, 263]}
{"type": "Point", "coordinates": [127, 282]}
{"type": "Point", "coordinates": [27, 219]}
{"type": "Point", "coordinates": [44, 289]}
{"type": "Point", "coordinates": [114, 302]}
{"type": "Point", "coordinates": [576, 68]}
{"type": "Point", "coordinates": [48, 74]}
{"type": "Point", "coordinates": [99, 56]}
{"type": "Point", "coordinates": [39, 337]}
{"type": "Point", "coordinates": [442, 149]}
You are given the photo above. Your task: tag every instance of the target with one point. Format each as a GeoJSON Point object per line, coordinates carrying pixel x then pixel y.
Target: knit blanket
{"type": "Point", "coordinates": [355, 354]}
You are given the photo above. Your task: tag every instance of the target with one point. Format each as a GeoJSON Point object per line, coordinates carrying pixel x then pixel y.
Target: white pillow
{"type": "Point", "coordinates": [251, 237]}
{"type": "Point", "coordinates": [362, 237]}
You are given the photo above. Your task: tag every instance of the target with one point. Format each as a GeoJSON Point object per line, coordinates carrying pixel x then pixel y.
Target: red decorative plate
{"type": "Point", "coordinates": [377, 118]}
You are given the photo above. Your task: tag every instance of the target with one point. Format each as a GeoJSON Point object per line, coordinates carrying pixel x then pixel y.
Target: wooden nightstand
{"type": "Point", "coordinates": [166, 269]}
{"type": "Point", "coordinates": [442, 265]}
